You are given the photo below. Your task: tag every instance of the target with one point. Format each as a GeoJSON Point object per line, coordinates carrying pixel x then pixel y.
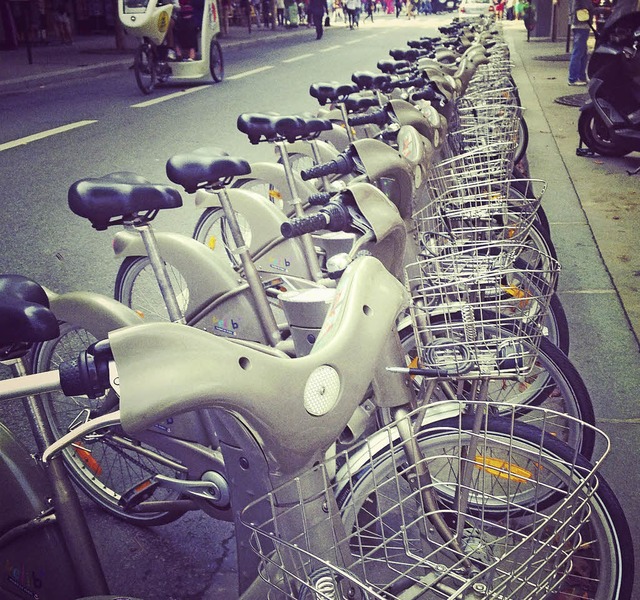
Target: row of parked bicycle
{"type": "Point", "coordinates": [385, 408]}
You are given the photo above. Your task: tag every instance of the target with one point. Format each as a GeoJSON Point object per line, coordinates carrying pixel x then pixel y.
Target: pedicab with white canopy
{"type": "Point", "coordinates": [150, 21]}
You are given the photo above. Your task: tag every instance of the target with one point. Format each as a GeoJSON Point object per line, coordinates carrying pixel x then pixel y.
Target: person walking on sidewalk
{"type": "Point", "coordinates": [62, 21]}
{"type": "Point", "coordinates": [316, 10]}
{"type": "Point", "coordinates": [581, 13]}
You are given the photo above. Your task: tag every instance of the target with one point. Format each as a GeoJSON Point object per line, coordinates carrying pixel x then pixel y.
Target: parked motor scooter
{"type": "Point", "coordinates": [609, 122]}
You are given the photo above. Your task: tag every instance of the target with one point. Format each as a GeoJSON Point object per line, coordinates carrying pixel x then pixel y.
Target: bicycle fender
{"type": "Point", "coordinates": [273, 396]}
{"type": "Point", "coordinates": [96, 313]}
{"type": "Point", "coordinates": [387, 225]}
{"type": "Point", "coordinates": [208, 277]}
{"type": "Point", "coordinates": [219, 300]}
{"type": "Point", "coordinates": [326, 151]}
{"type": "Point", "coordinates": [382, 439]}
{"type": "Point", "coordinates": [382, 161]}
{"type": "Point", "coordinates": [274, 174]}
{"type": "Point", "coordinates": [270, 251]}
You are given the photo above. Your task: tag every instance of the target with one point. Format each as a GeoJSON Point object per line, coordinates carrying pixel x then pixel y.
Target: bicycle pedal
{"type": "Point", "coordinates": [138, 494]}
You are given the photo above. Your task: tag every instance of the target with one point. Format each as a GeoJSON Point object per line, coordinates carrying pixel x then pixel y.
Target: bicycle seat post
{"type": "Point", "coordinates": [265, 314]}
{"type": "Point", "coordinates": [160, 271]}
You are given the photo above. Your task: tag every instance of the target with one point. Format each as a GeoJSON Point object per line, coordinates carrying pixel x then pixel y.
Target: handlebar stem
{"type": "Point", "coordinates": [308, 248]}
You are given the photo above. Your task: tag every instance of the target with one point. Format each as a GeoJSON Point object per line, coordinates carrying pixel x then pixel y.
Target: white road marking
{"type": "Point", "coordinates": [169, 96]}
{"type": "Point", "coordinates": [252, 72]}
{"type": "Point", "coordinates": [295, 58]}
{"type": "Point", "coordinates": [331, 48]}
{"type": "Point", "coordinates": [43, 134]}
{"type": "Point", "coordinates": [353, 42]}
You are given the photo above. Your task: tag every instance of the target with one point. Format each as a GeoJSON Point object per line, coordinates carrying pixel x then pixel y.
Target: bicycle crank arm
{"type": "Point", "coordinates": [213, 487]}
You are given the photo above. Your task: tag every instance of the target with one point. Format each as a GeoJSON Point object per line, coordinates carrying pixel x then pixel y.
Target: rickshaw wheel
{"type": "Point", "coordinates": [216, 62]}
{"type": "Point", "coordinates": [144, 67]}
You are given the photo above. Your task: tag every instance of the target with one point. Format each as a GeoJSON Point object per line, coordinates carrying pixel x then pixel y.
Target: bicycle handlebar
{"type": "Point", "coordinates": [319, 198]}
{"type": "Point", "coordinates": [378, 117]}
{"type": "Point", "coordinates": [342, 165]}
{"type": "Point", "coordinates": [334, 217]}
{"type": "Point", "coordinates": [87, 375]}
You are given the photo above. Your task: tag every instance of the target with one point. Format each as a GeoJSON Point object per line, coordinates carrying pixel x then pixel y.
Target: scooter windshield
{"type": "Point", "coordinates": [135, 6]}
{"type": "Point", "coordinates": [625, 12]}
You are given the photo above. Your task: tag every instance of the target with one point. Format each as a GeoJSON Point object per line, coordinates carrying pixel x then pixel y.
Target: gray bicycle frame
{"type": "Point", "coordinates": [273, 422]}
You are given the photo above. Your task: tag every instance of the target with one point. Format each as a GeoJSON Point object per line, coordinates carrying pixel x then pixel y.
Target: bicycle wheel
{"type": "Point", "coordinates": [136, 286]}
{"type": "Point", "coordinates": [517, 479]}
{"type": "Point", "coordinates": [144, 68]}
{"type": "Point", "coordinates": [212, 230]}
{"type": "Point", "coordinates": [262, 188]}
{"type": "Point", "coordinates": [523, 141]}
{"type": "Point", "coordinates": [554, 383]}
{"type": "Point", "coordinates": [103, 466]}
{"type": "Point", "coordinates": [216, 62]}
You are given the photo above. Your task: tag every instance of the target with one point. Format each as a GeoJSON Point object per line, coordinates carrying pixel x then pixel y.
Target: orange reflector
{"type": "Point", "coordinates": [142, 486]}
{"type": "Point", "coordinates": [87, 458]}
{"type": "Point", "coordinates": [503, 469]}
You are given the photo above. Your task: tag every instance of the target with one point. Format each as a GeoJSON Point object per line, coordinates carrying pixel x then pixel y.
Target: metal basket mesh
{"type": "Point", "coordinates": [478, 310]}
{"type": "Point", "coordinates": [516, 513]}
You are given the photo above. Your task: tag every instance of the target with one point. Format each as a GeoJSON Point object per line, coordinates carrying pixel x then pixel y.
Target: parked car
{"type": "Point", "coordinates": [470, 8]}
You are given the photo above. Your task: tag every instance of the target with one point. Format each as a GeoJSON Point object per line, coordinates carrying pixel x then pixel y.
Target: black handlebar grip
{"type": "Point", "coordinates": [338, 166]}
{"type": "Point", "coordinates": [333, 217]}
{"type": "Point", "coordinates": [426, 94]}
{"type": "Point", "coordinates": [71, 380]}
{"type": "Point", "coordinates": [407, 83]}
{"type": "Point", "coordinates": [378, 117]}
{"type": "Point", "coordinates": [88, 375]}
{"type": "Point", "coordinates": [302, 225]}
{"type": "Point", "coordinates": [319, 199]}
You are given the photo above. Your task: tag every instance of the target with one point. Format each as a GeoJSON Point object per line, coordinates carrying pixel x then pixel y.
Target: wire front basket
{"type": "Point", "coordinates": [482, 122]}
{"type": "Point", "coordinates": [482, 165]}
{"type": "Point", "coordinates": [485, 211]}
{"type": "Point", "coordinates": [478, 310]}
{"type": "Point", "coordinates": [489, 512]}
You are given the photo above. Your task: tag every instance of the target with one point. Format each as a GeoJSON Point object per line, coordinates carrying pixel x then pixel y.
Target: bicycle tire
{"type": "Point", "coordinates": [603, 568]}
{"type": "Point", "coordinates": [555, 383]}
{"type": "Point", "coordinates": [136, 286]}
{"type": "Point", "coordinates": [144, 68]}
{"type": "Point", "coordinates": [212, 230]}
{"type": "Point", "coordinates": [102, 468]}
{"type": "Point", "coordinates": [216, 61]}
{"type": "Point", "coordinates": [523, 141]}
